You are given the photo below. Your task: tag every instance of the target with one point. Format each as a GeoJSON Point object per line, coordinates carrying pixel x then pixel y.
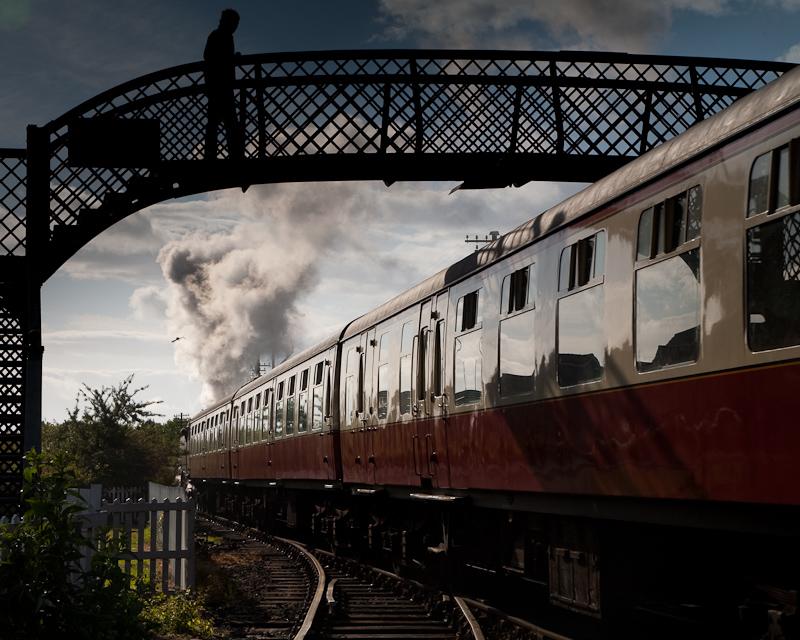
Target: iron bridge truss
{"type": "Point", "coordinates": [485, 118]}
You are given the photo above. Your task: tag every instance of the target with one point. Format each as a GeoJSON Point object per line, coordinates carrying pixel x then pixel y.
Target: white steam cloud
{"type": "Point", "coordinates": [232, 295]}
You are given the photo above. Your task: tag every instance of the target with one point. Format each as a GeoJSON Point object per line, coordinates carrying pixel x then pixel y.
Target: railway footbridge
{"type": "Point", "coordinates": [487, 119]}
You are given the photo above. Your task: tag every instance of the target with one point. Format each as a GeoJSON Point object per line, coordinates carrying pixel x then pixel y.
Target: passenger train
{"type": "Point", "coordinates": [602, 402]}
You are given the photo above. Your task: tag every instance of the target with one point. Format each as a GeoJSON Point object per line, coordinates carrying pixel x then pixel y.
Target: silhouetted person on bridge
{"type": "Point", "coordinates": [219, 56]}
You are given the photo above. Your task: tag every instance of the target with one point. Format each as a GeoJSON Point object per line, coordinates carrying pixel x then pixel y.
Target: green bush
{"type": "Point", "coordinates": [177, 613]}
{"type": "Point", "coordinates": [45, 594]}
{"type": "Point", "coordinates": [43, 591]}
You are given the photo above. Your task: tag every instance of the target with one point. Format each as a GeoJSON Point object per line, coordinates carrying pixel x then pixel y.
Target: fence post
{"type": "Point", "coordinates": [141, 516]}
{"type": "Point", "coordinates": [153, 542]}
{"type": "Point", "coordinates": [180, 583]}
{"type": "Point", "coordinates": [165, 560]}
{"type": "Point", "coordinates": [190, 539]}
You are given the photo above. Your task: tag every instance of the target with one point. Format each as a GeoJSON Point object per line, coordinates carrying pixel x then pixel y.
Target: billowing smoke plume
{"type": "Point", "coordinates": [232, 296]}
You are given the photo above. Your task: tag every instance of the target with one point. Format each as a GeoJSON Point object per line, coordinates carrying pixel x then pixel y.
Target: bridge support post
{"type": "Point", "coordinates": [38, 224]}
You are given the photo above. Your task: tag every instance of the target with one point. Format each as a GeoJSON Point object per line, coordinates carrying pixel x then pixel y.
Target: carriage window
{"type": "Point", "coordinates": [302, 411]}
{"type": "Point", "coordinates": [248, 423]}
{"type": "Point", "coordinates": [515, 291]}
{"type": "Point", "coordinates": [383, 391]}
{"type": "Point", "coordinates": [265, 416]}
{"type": "Point", "coordinates": [360, 399]}
{"type": "Point", "coordinates": [258, 400]}
{"type": "Point", "coordinates": [645, 242]}
{"type": "Point", "coordinates": [349, 400]}
{"type": "Point", "coordinates": [318, 372]}
{"type": "Point", "coordinates": [582, 262]}
{"type": "Point", "coordinates": [668, 312]}
{"type": "Point", "coordinates": [517, 354]}
{"type": "Point", "coordinates": [279, 410]}
{"type": "Point", "coordinates": [773, 284]}
{"type": "Point", "coordinates": [438, 359]}
{"type": "Point", "coordinates": [383, 347]}
{"type": "Point", "coordinates": [383, 375]}
{"type": "Point", "coordinates": [422, 362]}
{"type": "Point", "coordinates": [247, 426]}
{"type": "Point", "coordinates": [328, 393]}
{"type": "Point", "coordinates": [782, 186]}
{"type": "Point", "coordinates": [581, 337]}
{"type": "Point", "coordinates": [316, 407]}
{"type": "Point", "coordinates": [758, 201]}
{"type": "Point", "coordinates": [467, 364]}
{"type": "Point", "coordinates": [770, 178]}
{"type": "Point", "coordinates": [407, 339]}
{"type": "Point", "coordinates": [406, 348]}
{"type": "Point", "coordinates": [304, 380]}
{"type": "Point", "coordinates": [674, 223]}
{"type": "Point", "coordinates": [663, 228]}
{"type": "Point", "coordinates": [695, 208]}
{"type": "Point", "coordinates": [352, 360]}
{"type": "Point", "coordinates": [468, 313]}
{"type": "Point", "coordinates": [290, 403]}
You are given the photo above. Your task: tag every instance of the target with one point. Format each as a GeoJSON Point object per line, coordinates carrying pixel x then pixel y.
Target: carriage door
{"type": "Point", "coordinates": [323, 413]}
{"type": "Point", "coordinates": [423, 406]}
{"type": "Point", "coordinates": [370, 402]}
{"type": "Point", "coordinates": [435, 434]}
{"type": "Point", "coordinates": [353, 427]}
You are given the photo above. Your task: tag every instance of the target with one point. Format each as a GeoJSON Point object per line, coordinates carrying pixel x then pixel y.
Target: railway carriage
{"type": "Point", "coordinates": [615, 379]}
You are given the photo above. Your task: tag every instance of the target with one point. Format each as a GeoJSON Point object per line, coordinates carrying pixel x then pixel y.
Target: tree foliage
{"type": "Point", "coordinates": [111, 437]}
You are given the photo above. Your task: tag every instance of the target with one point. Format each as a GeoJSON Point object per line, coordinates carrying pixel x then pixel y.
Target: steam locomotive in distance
{"type": "Point", "coordinates": [602, 404]}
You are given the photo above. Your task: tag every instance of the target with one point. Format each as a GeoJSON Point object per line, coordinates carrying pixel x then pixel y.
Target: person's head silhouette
{"type": "Point", "coordinates": [229, 20]}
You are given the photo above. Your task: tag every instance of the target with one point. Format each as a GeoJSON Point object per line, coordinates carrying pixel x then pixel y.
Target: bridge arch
{"type": "Point", "coordinates": [487, 119]}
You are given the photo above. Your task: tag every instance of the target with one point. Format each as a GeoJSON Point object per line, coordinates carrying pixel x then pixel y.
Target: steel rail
{"type": "Point", "coordinates": [313, 608]}
{"type": "Point", "coordinates": [540, 632]}
{"type": "Point", "coordinates": [474, 625]}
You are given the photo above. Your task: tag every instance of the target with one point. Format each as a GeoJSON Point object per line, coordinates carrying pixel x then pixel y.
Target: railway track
{"type": "Point", "coordinates": [363, 602]}
{"type": "Point", "coordinates": [316, 595]}
{"type": "Point", "coordinates": [281, 582]}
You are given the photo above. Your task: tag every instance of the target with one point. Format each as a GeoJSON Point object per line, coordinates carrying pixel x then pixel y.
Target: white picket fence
{"type": "Point", "coordinates": [125, 493]}
{"type": "Point", "coordinates": [157, 539]}
{"type": "Point", "coordinates": [165, 557]}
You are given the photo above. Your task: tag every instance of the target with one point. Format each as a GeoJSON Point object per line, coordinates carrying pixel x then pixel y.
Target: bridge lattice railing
{"type": "Point", "coordinates": [404, 103]}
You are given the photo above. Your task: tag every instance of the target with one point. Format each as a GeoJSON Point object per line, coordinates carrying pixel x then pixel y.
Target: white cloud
{"type": "Point", "coordinates": [148, 302]}
{"type": "Point", "coordinates": [792, 54]}
{"type": "Point", "coordinates": [627, 25]}
{"type": "Point", "coordinates": [90, 335]}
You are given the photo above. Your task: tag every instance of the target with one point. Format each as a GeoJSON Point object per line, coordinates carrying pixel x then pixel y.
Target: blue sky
{"type": "Point", "coordinates": [110, 312]}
